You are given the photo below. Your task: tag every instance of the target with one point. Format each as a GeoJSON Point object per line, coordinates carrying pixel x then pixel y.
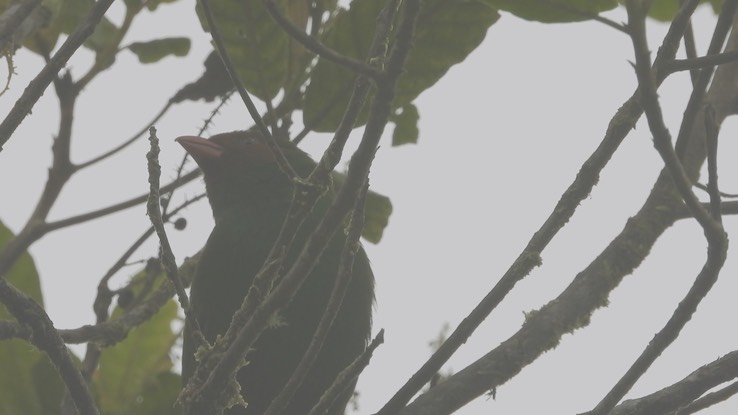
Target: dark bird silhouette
{"type": "Point", "coordinates": [250, 198]}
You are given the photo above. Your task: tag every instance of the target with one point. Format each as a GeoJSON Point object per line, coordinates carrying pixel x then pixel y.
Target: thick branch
{"type": "Point", "coordinates": [621, 124]}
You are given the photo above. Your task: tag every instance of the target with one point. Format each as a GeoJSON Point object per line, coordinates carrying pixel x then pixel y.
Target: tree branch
{"type": "Point", "coordinates": [620, 125]}
{"type": "Point", "coordinates": [683, 395]}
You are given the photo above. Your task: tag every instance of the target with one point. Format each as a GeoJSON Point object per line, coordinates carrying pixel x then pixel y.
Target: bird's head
{"type": "Point", "coordinates": [239, 168]}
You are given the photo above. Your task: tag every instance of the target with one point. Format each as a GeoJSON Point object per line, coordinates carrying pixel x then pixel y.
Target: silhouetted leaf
{"type": "Point", "coordinates": [406, 126]}
{"type": "Point", "coordinates": [155, 50]}
{"type": "Point", "coordinates": [134, 366]}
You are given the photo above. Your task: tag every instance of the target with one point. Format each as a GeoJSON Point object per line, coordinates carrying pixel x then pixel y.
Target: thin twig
{"type": "Point", "coordinates": [722, 194]}
{"type": "Point", "coordinates": [701, 62]}
{"type": "Point", "coordinates": [696, 99]}
{"type": "Point", "coordinates": [661, 135]}
{"type": "Point", "coordinates": [95, 214]}
{"type": "Point", "coordinates": [690, 47]}
{"type": "Point", "coordinates": [711, 144]}
{"type": "Point", "coordinates": [167, 256]}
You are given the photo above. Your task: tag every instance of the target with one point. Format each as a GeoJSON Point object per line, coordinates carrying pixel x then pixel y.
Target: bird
{"type": "Point", "coordinates": [250, 197]}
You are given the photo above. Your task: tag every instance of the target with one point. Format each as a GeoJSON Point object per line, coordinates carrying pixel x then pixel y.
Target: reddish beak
{"type": "Point", "coordinates": [201, 149]}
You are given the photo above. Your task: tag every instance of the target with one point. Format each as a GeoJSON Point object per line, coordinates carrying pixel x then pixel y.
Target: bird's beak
{"type": "Point", "coordinates": [201, 149]}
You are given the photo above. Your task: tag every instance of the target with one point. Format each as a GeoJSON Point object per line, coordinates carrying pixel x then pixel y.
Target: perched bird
{"type": "Point", "coordinates": [250, 198]}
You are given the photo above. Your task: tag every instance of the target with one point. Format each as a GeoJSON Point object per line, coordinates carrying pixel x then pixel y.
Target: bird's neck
{"type": "Point", "coordinates": [266, 197]}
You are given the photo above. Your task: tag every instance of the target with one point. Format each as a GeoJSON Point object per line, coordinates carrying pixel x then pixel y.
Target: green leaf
{"type": "Point", "coordinates": [447, 32]}
{"type": "Point", "coordinates": [104, 36]}
{"type": "Point", "coordinates": [406, 126]}
{"type": "Point", "coordinates": [131, 369]}
{"type": "Point", "coordinates": [350, 33]}
{"type": "Point", "coordinates": [159, 395]}
{"type": "Point", "coordinates": [155, 50]}
{"type": "Point", "coordinates": [29, 383]}
{"type": "Point", "coordinates": [150, 4]}
{"type": "Point", "coordinates": [48, 385]}
{"type": "Point", "coordinates": [377, 211]}
{"type": "Point", "coordinates": [554, 11]}
{"type": "Point", "coordinates": [23, 275]}
{"type": "Point", "coordinates": [258, 47]}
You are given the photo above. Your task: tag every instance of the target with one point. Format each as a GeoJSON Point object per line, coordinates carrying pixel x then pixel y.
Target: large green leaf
{"type": "Point", "coordinates": [554, 11]}
{"type": "Point", "coordinates": [258, 47]}
{"type": "Point", "coordinates": [159, 395]}
{"type": "Point", "coordinates": [29, 383]}
{"type": "Point", "coordinates": [133, 368]}
{"type": "Point", "coordinates": [447, 32]}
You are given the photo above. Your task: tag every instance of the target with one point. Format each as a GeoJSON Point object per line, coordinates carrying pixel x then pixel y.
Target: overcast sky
{"type": "Point", "coordinates": [502, 135]}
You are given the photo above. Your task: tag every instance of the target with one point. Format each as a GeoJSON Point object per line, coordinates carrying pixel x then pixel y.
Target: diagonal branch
{"type": "Point", "coordinates": [682, 396]}
{"type": "Point", "coordinates": [621, 124]}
